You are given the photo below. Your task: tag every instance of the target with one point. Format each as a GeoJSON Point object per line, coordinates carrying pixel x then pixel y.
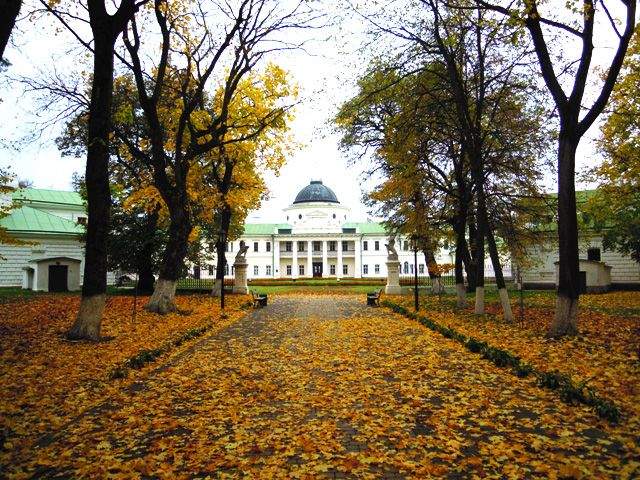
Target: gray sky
{"type": "Point", "coordinates": [325, 74]}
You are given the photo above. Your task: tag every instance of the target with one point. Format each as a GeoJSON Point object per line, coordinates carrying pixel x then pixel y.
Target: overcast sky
{"type": "Point", "coordinates": [325, 73]}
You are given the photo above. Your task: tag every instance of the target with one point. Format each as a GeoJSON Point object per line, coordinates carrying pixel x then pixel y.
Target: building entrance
{"type": "Point", "coordinates": [317, 269]}
{"type": "Point", "coordinates": [58, 275]}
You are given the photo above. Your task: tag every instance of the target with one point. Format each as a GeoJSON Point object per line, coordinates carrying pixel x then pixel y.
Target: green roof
{"type": "Point", "coordinates": [263, 228]}
{"type": "Point", "coordinates": [367, 227]}
{"type": "Point", "coordinates": [40, 195]}
{"type": "Point", "coordinates": [30, 220]}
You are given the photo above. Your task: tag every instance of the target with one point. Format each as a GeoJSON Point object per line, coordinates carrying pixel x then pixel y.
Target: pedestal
{"type": "Point", "coordinates": [393, 278]}
{"type": "Point", "coordinates": [240, 280]}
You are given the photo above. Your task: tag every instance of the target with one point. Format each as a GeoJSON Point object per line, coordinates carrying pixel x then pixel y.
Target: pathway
{"type": "Point", "coordinates": [324, 387]}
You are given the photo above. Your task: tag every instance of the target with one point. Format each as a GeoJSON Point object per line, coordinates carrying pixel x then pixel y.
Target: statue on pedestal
{"type": "Point", "coordinates": [241, 256]}
{"type": "Point", "coordinates": [392, 253]}
{"type": "Point", "coordinates": [393, 269]}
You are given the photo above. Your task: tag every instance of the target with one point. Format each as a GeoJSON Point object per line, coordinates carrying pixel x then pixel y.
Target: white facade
{"type": "Point", "coordinates": [49, 225]}
{"type": "Point", "coordinates": [317, 239]}
{"type": "Point", "coordinates": [542, 272]}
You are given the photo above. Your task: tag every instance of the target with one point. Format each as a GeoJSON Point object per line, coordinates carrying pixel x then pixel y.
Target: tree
{"type": "Point", "coordinates": [105, 29]}
{"type": "Point", "coordinates": [10, 10]}
{"type": "Point", "coordinates": [6, 178]}
{"type": "Point", "coordinates": [614, 209]}
{"type": "Point", "coordinates": [574, 119]}
{"type": "Point", "coordinates": [479, 139]}
{"type": "Point", "coordinates": [185, 123]}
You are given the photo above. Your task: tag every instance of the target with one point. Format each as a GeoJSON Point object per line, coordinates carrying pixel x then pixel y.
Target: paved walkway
{"type": "Point", "coordinates": [325, 387]}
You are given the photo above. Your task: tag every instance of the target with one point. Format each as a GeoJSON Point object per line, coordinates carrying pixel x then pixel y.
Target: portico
{"type": "Point", "coordinates": [302, 256]}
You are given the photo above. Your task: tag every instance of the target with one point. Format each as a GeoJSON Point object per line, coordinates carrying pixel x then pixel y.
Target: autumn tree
{"type": "Point", "coordinates": [184, 121]}
{"type": "Point", "coordinates": [105, 28]}
{"type": "Point", "coordinates": [481, 137]}
{"type": "Point", "coordinates": [614, 210]}
{"type": "Point", "coordinates": [550, 28]}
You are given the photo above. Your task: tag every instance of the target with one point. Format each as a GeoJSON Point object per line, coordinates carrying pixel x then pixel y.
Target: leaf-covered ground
{"type": "Point", "coordinates": [605, 353]}
{"type": "Point", "coordinates": [46, 380]}
{"type": "Point", "coordinates": [324, 387]}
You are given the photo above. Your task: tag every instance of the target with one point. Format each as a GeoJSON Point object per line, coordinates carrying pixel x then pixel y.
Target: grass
{"type": "Point", "coordinates": [327, 288]}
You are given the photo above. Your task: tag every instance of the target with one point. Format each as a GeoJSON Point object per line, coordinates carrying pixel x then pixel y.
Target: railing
{"type": "Point", "coordinates": [408, 279]}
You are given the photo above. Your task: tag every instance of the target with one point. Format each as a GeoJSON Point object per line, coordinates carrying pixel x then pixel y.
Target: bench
{"type": "Point", "coordinates": [259, 299]}
{"type": "Point", "coordinates": [373, 298]}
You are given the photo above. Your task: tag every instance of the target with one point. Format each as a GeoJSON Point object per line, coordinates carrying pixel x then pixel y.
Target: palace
{"type": "Point", "coordinates": [317, 238]}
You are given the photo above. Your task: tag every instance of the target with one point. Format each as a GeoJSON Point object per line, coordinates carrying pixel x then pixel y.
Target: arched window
{"type": "Point", "coordinates": [300, 216]}
{"type": "Point", "coordinates": [406, 267]}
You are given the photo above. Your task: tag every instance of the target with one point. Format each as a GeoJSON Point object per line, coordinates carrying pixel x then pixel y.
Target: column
{"type": "Point", "coordinates": [325, 262]}
{"type": "Point", "coordinates": [276, 258]}
{"type": "Point", "coordinates": [309, 271]}
{"type": "Point", "coordinates": [339, 264]}
{"type": "Point", "coordinates": [294, 260]}
{"type": "Point", "coordinates": [356, 255]}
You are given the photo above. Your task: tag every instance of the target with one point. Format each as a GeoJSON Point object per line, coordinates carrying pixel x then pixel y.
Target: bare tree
{"type": "Point", "coordinates": [575, 119]}
{"type": "Point", "coordinates": [105, 29]}
{"type": "Point", "coordinates": [188, 67]}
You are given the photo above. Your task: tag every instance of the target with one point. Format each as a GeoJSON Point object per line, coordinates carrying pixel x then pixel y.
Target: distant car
{"type": "Point", "coordinates": [123, 280]}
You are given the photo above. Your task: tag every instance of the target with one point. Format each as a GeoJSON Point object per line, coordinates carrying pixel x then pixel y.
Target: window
{"type": "Point", "coordinates": [288, 269]}
{"type": "Point", "coordinates": [406, 245]}
{"type": "Point", "coordinates": [332, 269]}
{"type": "Point", "coordinates": [334, 215]}
{"type": "Point", "coordinates": [376, 268]}
{"type": "Point", "coordinates": [300, 217]}
{"type": "Point", "coordinates": [226, 269]}
{"type": "Point", "coordinates": [229, 246]}
{"type": "Point", "coordinates": [593, 254]}
{"type": "Point", "coordinates": [288, 246]}
{"type": "Point", "coordinates": [302, 246]}
{"type": "Point", "coordinates": [345, 246]}
{"type": "Point", "coordinates": [412, 269]}
{"type": "Point", "coordinates": [255, 246]}
{"type": "Point", "coordinates": [345, 269]}
{"type": "Point", "coordinates": [196, 272]}
{"type": "Point", "coordinates": [332, 246]}
{"type": "Point", "coordinates": [268, 270]}
{"type": "Point", "coordinates": [300, 269]}
{"type": "Point", "coordinates": [421, 269]}
{"type": "Point", "coordinates": [82, 220]}
{"type": "Point", "coordinates": [317, 246]}
{"type": "Point", "coordinates": [365, 245]}
{"type": "Point", "coordinates": [376, 245]}
{"type": "Point", "coordinates": [233, 270]}
{"type": "Point", "coordinates": [268, 246]}
{"type": "Point", "coordinates": [406, 267]}
{"type": "Point", "coordinates": [365, 269]}
{"type": "Point", "coordinates": [210, 269]}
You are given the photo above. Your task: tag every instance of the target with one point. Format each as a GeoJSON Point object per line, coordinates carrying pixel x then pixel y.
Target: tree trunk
{"type": "Point", "coordinates": [94, 287]}
{"type": "Point", "coordinates": [497, 268]}
{"type": "Point", "coordinates": [146, 278]}
{"type": "Point", "coordinates": [10, 10]}
{"type": "Point", "coordinates": [479, 238]}
{"type": "Point", "coordinates": [469, 259]}
{"type": "Point", "coordinates": [461, 298]}
{"type": "Point", "coordinates": [163, 299]}
{"type": "Point", "coordinates": [565, 321]}
{"type": "Point", "coordinates": [432, 267]}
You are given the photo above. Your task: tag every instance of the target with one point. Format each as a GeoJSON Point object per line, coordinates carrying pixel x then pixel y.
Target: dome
{"type": "Point", "coordinates": [316, 192]}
